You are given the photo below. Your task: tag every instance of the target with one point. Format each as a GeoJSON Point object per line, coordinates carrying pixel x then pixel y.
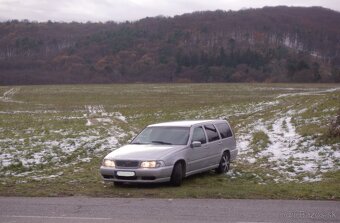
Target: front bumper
{"type": "Point", "coordinates": [142, 175]}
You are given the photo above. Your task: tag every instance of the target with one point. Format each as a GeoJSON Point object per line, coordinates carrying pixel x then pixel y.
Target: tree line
{"type": "Point", "coordinates": [272, 44]}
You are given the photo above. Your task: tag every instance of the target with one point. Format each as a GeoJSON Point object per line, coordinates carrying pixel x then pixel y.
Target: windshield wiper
{"type": "Point", "coordinates": [161, 142]}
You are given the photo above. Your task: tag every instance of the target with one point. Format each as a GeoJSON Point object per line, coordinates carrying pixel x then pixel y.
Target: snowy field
{"type": "Point", "coordinates": [47, 132]}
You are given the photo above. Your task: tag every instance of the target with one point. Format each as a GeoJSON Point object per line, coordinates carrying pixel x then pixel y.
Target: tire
{"type": "Point", "coordinates": [224, 165]}
{"type": "Point", "coordinates": [177, 175]}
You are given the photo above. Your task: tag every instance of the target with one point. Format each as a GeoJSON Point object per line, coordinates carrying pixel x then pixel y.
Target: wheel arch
{"type": "Point", "coordinates": [227, 151]}
{"type": "Point", "coordinates": [184, 165]}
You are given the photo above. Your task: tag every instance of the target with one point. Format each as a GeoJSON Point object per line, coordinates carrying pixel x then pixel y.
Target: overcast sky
{"type": "Point", "coordinates": [122, 10]}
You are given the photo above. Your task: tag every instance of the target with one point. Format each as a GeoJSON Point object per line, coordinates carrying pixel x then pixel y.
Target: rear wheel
{"type": "Point", "coordinates": [224, 164]}
{"type": "Point", "coordinates": [177, 175]}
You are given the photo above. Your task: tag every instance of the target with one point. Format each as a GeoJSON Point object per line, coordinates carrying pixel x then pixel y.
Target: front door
{"type": "Point", "coordinates": [198, 155]}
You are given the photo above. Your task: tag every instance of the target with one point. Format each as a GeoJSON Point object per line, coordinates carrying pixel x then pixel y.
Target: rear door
{"type": "Point", "coordinates": [214, 145]}
{"type": "Point", "coordinates": [228, 141]}
{"type": "Point", "coordinates": [197, 157]}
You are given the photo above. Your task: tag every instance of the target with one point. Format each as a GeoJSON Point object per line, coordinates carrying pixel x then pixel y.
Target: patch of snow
{"type": "Point", "coordinates": [38, 178]}
{"type": "Point", "coordinates": [8, 95]}
{"type": "Point", "coordinates": [243, 143]}
{"type": "Point", "coordinates": [36, 158]}
{"type": "Point", "coordinates": [85, 160]}
{"type": "Point", "coordinates": [288, 153]}
{"type": "Point", "coordinates": [6, 159]}
{"type": "Point", "coordinates": [92, 142]}
{"type": "Point", "coordinates": [253, 108]}
{"type": "Point", "coordinates": [119, 116]}
{"type": "Point", "coordinates": [97, 115]}
{"type": "Point", "coordinates": [104, 120]}
{"type": "Point", "coordinates": [30, 112]}
{"type": "Point", "coordinates": [316, 92]}
{"type": "Point", "coordinates": [89, 122]}
{"type": "Point", "coordinates": [95, 109]}
{"type": "Point", "coordinates": [233, 174]}
{"type": "Point", "coordinates": [251, 160]}
{"type": "Point", "coordinates": [302, 111]}
{"type": "Point", "coordinates": [312, 179]}
{"type": "Point", "coordinates": [283, 140]}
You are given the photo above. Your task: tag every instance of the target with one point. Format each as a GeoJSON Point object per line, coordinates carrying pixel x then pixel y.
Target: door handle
{"type": "Point", "coordinates": [219, 143]}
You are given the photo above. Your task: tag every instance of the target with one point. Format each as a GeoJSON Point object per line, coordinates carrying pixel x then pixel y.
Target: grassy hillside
{"type": "Point", "coordinates": [53, 138]}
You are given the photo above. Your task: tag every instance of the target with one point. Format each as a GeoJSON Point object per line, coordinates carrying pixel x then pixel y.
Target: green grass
{"type": "Point", "coordinates": [260, 141]}
{"type": "Point", "coordinates": [206, 185]}
{"type": "Point", "coordinates": [51, 120]}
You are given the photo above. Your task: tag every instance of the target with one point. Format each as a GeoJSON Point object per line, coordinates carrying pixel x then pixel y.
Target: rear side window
{"type": "Point", "coordinates": [224, 130]}
{"type": "Point", "coordinates": [211, 132]}
{"type": "Point", "coordinates": [199, 135]}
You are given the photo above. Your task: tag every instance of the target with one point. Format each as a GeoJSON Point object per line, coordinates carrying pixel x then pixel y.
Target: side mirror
{"type": "Point", "coordinates": [196, 144]}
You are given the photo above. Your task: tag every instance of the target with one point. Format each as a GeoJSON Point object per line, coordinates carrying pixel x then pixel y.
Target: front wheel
{"type": "Point", "coordinates": [224, 165]}
{"type": "Point", "coordinates": [177, 175]}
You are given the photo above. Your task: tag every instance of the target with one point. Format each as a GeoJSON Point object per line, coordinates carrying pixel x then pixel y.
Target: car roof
{"type": "Point", "coordinates": [186, 123]}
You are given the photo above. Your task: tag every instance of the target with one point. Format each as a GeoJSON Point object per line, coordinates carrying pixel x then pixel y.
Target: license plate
{"type": "Point", "coordinates": [125, 174]}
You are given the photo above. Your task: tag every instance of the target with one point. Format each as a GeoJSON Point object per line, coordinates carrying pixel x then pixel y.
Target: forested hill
{"type": "Point", "coordinates": [272, 44]}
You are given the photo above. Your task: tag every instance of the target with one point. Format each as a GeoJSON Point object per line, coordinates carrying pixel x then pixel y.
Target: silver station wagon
{"type": "Point", "coordinates": [171, 151]}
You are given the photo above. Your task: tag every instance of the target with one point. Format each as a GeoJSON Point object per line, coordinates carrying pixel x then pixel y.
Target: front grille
{"type": "Point", "coordinates": [127, 163]}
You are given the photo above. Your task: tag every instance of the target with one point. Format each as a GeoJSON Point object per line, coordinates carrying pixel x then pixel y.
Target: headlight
{"type": "Point", "coordinates": [109, 163]}
{"type": "Point", "coordinates": [151, 164]}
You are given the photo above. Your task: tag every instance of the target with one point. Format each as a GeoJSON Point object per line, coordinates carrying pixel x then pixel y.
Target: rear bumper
{"type": "Point", "coordinates": [156, 175]}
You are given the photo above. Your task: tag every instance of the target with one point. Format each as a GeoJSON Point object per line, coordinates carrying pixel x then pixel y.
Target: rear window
{"type": "Point", "coordinates": [211, 132]}
{"type": "Point", "coordinates": [224, 130]}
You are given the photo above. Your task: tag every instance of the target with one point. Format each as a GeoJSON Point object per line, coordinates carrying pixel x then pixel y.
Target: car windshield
{"type": "Point", "coordinates": [163, 136]}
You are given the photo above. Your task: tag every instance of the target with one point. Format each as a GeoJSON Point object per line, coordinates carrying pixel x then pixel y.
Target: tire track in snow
{"type": "Point", "coordinates": [288, 152]}
{"type": "Point", "coordinates": [97, 115]}
{"type": "Point", "coordinates": [320, 92]}
{"type": "Point", "coordinates": [8, 95]}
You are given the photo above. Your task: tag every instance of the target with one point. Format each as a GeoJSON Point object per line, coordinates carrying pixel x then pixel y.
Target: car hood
{"type": "Point", "coordinates": [143, 152]}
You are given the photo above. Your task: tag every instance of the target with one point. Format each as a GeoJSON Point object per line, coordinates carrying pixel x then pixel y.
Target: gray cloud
{"type": "Point", "coordinates": [122, 10]}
